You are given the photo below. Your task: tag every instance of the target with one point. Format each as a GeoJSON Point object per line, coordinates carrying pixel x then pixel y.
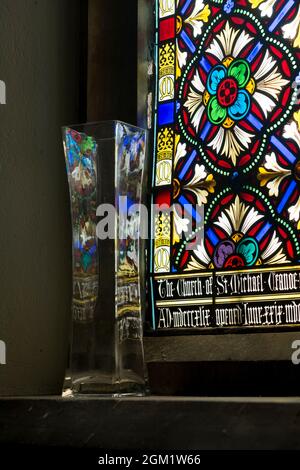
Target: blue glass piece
{"type": "Point", "coordinates": [281, 15]}
{"type": "Point", "coordinates": [166, 113]}
{"type": "Point", "coordinates": [292, 186]}
{"type": "Point", "coordinates": [229, 6]}
{"type": "Point", "coordinates": [241, 107]}
{"type": "Point", "coordinates": [216, 75]}
{"type": "Point", "coordinates": [187, 165]}
{"type": "Point", "coordinates": [206, 130]}
{"type": "Point", "coordinates": [283, 149]}
{"type": "Point", "coordinates": [254, 52]}
{"type": "Point", "coordinates": [255, 122]}
{"type": "Point", "coordinates": [212, 236]}
{"type": "Point", "coordinates": [205, 64]}
{"type": "Point", "coordinates": [265, 228]}
{"type": "Point", "coordinates": [185, 7]}
{"type": "Point", "coordinates": [188, 207]}
{"type": "Point", "coordinates": [188, 42]}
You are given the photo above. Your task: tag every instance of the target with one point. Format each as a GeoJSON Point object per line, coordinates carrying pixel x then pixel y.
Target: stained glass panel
{"type": "Point", "coordinates": [226, 126]}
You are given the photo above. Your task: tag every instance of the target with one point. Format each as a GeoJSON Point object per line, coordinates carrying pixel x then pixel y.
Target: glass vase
{"type": "Point", "coordinates": [105, 166]}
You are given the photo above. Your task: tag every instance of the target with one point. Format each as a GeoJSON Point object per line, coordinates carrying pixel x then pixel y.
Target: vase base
{"type": "Point", "coordinates": [104, 385]}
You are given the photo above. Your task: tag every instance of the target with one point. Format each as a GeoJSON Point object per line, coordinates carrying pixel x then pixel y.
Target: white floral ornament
{"type": "Point", "coordinates": [272, 173]}
{"type": "Point", "coordinates": [181, 225]}
{"type": "Point", "coordinates": [195, 20]}
{"type": "Point", "coordinates": [198, 17]}
{"type": "Point", "coordinates": [292, 30]}
{"type": "Point", "coordinates": [266, 7]}
{"type": "Point", "coordinates": [200, 184]}
{"type": "Point", "coordinates": [181, 60]}
{"type": "Point", "coordinates": [294, 212]}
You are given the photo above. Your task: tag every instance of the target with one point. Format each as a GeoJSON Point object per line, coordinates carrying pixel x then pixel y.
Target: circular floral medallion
{"type": "Point", "coordinates": [242, 232]}
{"type": "Point", "coordinates": [235, 91]}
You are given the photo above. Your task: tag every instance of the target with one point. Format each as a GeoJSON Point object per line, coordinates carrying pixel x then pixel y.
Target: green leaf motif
{"type": "Point", "coordinates": [216, 113]}
{"type": "Point", "coordinates": [240, 70]}
{"type": "Point", "coordinates": [248, 248]}
{"type": "Point", "coordinates": [86, 261]}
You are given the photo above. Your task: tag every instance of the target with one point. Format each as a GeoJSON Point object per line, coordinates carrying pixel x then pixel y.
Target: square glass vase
{"type": "Point", "coordinates": [105, 166]}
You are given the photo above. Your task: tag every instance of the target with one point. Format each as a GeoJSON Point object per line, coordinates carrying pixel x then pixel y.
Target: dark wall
{"type": "Point", "coordinates": [63, 62]}
{"type": "Point", "coordinates": [40, 62]}
{"type": "Point", "coordinates": [112, 60]}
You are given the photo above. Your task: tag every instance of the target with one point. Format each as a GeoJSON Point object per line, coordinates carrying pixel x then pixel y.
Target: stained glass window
{"type": "Point", "coordinates": [226, 131]}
